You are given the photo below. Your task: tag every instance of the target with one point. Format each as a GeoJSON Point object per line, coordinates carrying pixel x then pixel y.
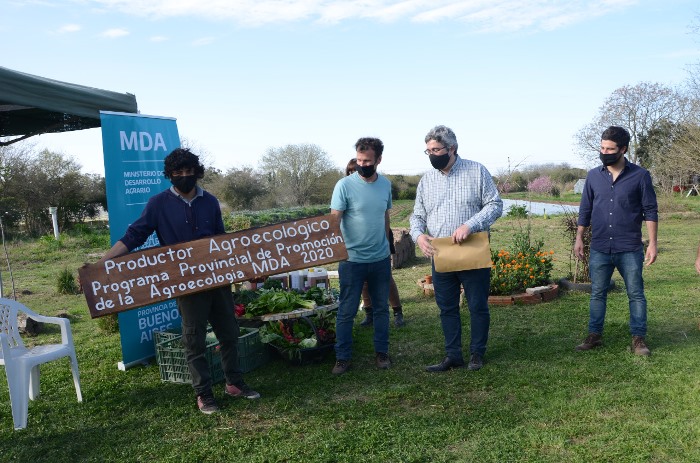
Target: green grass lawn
{"type": "Point", "coordinates": [535, 400]}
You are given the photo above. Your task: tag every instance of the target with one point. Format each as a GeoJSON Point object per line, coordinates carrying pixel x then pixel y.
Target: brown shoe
{"type": "Point", "coordinates": [592, 341]}
{"type": "Point", "coordinates": [639, 347]}
{"type": "Point", "coordinates": [383, 361]}
{"type": "Point", "coordinates": [340, 367]}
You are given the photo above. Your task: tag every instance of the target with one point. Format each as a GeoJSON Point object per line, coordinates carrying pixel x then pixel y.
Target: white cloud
{"type": "Point", "coordinates": [158, 38]}
{"type": "Point", "coordinates": [114, 33]}
{"type": "Point", "coordinates": [203, 41]}
{"type": "Point", "coordinates": [69, 28]}
{"type": "Point", "coordinates": [485, 15]}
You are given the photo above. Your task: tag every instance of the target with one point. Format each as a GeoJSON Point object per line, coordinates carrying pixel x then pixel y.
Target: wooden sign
{"type": "Point", "coordinates": [151, 275]}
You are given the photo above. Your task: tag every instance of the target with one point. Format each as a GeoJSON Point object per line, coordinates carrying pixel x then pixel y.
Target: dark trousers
{"type": "Point", "coordinates": [214, 306]}
{"type": "Point", "coordinates": [476, 290]}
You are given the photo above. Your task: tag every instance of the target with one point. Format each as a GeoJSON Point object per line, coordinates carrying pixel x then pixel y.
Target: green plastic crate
{"type": "Point", "coordinates": [173, 365]}
{"type": "Point", "coordinates": [170, 354]}
{"type": "Point", "coordinates": [251, 351]}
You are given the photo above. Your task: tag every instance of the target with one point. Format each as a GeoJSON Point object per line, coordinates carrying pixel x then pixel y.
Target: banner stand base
{"type": "Point", "coordinates": [124, 366]}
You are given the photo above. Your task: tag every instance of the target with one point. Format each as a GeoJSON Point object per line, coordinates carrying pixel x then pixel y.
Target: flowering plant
{"type": "Point", "coordinates": [290, 336]}
{"type": "Point", "coordinates": [525, 265]}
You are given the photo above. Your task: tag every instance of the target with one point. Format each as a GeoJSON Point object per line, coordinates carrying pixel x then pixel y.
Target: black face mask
{"type": "Point", "coordinates": [609, 159]}
{"type": "Point", "coordinates": [366, 171]}
{"type": "Point", "coordinates": [185, 183]}
{"type": "Point", "coordinates": [439, 162]}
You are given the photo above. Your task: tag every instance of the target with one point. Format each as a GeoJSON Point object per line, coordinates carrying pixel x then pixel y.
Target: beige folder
{"type": "Point", "coordinates": [472, 253]}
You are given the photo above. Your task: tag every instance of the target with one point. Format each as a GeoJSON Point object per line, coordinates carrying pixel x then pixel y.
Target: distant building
{"type": "Point", "coordinates": [578, 187]}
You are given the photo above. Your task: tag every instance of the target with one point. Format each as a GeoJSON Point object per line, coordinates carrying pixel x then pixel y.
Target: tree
{"type": "Point", "coordinates": [681, 162]}
{"type": "Point", "coordinates": [694, 69]}
{"type": "Point", "coordinates": [298, 175]}
{"type": "Point", "coordinates": [654, 146]}
{"type": "Point", "coordinates": [242, 188]}
{"type": "Point", "coordinates": [639, 109]}
{"type": "Point", "coordinates": [14, 163]}
{"type": "Point", "coordinates": [30, 183]}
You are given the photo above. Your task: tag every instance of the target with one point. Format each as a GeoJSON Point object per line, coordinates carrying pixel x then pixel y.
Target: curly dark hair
{"type": "Point", "coordinates": [182, 158]}
{"type": "Point", "coordinates": [368, 143]}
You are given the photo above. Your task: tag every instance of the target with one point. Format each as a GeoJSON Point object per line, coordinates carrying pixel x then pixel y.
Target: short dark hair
{"type": "Point", "coordinates": [182, 158]}
{"type": "Point", "coordinates": [619, 135]}
{"type": "Point", "coordinates": [368, 143]}
{"type": "Point", "coordinates": [350, 168]}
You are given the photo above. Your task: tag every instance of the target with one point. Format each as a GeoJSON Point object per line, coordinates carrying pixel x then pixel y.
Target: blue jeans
{"type": "Point", "coordinates": [352, 278]}
{"type": "Point", "coordinates": [476, 290]}
{"type": "Point", "coordinates": [630, 265]}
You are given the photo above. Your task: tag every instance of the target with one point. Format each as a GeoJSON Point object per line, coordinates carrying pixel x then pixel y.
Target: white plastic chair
{"type": "Point", "coordinates": [22, 364]}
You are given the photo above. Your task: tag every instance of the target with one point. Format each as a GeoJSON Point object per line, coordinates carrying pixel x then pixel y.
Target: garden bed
{"type": "Point", "coordinates": [528, 297]}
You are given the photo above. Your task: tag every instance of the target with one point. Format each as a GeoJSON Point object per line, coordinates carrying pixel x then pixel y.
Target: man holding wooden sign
{"type": "Point", "coordinates": [186, 212]}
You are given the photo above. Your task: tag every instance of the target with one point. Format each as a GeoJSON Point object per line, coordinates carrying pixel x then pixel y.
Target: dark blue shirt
{"type": "Point", "coordinates": [615, 210]}
{"type": "Point", "coordinates": [175, 220]}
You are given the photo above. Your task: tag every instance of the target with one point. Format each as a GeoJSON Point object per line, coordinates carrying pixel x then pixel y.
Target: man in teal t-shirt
{"type": "Point", "coordinates": [362, 202]}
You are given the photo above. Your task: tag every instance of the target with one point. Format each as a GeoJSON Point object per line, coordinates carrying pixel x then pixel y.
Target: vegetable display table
{"type": "Point", "coordinates": [299, 338]}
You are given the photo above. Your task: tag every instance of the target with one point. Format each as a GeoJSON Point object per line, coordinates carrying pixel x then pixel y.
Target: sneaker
{"type": "Point", "coordinates": [592, 341]}
{"type": "Point", "coordinates": [398, 319]}
{"type": "Point", "coordinates": [369, 317]}
{"type": "Point", "coordinates": [383, 361]}
{"type": "Point", "coordinates": [241, 390]}
{"type": "Point", "coordinates": [639, 347]}
{"type": "Point", "coordinates": [340, 367]}
{"type": "Point", "coordinates": [476, 361]}
{"type": "Point", "coordinates": [207, 404]}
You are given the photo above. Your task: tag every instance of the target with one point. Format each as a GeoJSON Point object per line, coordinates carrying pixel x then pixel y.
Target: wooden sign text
{"type": "Point", "coordinates": [151, 275]}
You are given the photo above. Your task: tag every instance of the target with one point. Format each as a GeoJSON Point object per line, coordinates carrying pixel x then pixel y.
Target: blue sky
{"type": "Point", "coordinates": [515, 79]}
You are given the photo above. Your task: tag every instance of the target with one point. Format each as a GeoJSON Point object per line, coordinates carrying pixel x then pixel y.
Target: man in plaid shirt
{"type": "Point", "coordinates": [456, 199]}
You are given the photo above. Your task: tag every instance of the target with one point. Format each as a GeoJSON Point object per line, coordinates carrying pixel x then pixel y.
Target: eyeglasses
{"type": "Point", "coordinates": [434, 150]}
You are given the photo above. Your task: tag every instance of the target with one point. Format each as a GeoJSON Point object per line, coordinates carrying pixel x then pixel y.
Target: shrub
{"type": "Point", "coordinates": [109, 323]}
{"type": "Point", "coordinates": [505, 187]}
{"type": "Point", "coordinates": [517, 211]}
{"type": "Point", "coordinates": [50, 244]}
{"type": "Point", "coordinates": [524, 265]}
{"type": "Point", "coordinates": [234, 223]}
{"type": "Point", "coordinates": [578, 268]}
{"type": "Point", "coordinates": [242, 220]}
{"type": "Point", "coordinates": [66, 283]}
{"type": "Point", "coordinates": [543, 185]}
{"type": "Point", "coordinates": [408, 193]}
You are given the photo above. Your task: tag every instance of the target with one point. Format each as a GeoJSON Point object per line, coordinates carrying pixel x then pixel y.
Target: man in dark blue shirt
{"type": "Point", "coordinates": [186, 212]}
{"type": "Point", "coordinates": [617, 197]}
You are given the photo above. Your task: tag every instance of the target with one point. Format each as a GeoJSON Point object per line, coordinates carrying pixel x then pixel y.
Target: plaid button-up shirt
{"type": "Point", "coordinates": [465, 195]}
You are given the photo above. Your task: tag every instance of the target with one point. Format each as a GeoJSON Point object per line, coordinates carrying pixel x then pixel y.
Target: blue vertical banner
{"type": "Point", "coordinates": [134, 148]}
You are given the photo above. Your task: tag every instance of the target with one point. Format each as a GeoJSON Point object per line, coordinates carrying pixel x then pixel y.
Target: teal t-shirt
{"type": "Point", "coordinates": [364, 205]}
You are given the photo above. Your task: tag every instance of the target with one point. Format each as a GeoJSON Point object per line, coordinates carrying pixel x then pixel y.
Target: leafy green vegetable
{"type": "Point", "coordinates": [244, 296]}
{"type": "Point", "coordinates": [315, 294]}
{"type": "Point", "coordinates": [276, 301]}
{"type": "Point", "coordinates": [272, 284]}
